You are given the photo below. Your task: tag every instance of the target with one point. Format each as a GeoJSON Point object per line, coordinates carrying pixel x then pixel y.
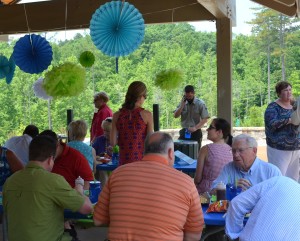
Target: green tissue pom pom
{"type": "Point", "coordinates": [65, 80]}
{"type": "Point", "coordinates": [87, 59]}
{"type": "Point", "coordinates": [169, 79]}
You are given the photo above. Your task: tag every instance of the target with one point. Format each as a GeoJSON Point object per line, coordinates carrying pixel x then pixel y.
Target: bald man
{"type": "Point", "coordinates": [154, 200]}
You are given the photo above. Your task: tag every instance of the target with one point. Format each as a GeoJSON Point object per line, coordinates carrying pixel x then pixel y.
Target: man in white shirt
{"type": "Point", "coordinates": [20, 144]}
{"type": "Point", "coordinates": [275, 212]}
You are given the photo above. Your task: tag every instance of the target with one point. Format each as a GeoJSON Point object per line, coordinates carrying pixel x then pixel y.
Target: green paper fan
{"type": "Point", "coordinates": [65, 80]}
{"type": "Point", "coordinates": [87, 59]}
{"type": "Point", "coordinates": [169, 79]}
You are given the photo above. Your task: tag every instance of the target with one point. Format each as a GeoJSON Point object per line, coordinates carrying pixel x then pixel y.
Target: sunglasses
{"type": "Point", "coordinates": [108, 120]}
{"type": "Point", "coordinates": [211, 127]}
{"type": "Point", "coordinates": [145, 96]}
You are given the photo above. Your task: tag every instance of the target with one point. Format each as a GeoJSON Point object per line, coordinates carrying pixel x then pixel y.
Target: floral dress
{"type": "Point", "coordinates": [132, 131]}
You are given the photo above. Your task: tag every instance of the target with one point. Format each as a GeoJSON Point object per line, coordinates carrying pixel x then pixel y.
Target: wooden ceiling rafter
{"type": "Point", "coordinates": [286, 7]}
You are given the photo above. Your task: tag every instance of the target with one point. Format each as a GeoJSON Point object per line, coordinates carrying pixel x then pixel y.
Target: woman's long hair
{"type": "Point", "coordinates": [135, 90]}
{"type": "Point", "coordinates": [222, 124]}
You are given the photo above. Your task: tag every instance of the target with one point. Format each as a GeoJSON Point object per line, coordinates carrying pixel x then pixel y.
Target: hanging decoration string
{"type": "Point", "coordinates": [171, 9]}
{"type": "Point", "coordinates": [117, 58]}
{"type": "Point", "coordinates": [29, 32]}
{"type": "Point", "coordinates": [66, 18]}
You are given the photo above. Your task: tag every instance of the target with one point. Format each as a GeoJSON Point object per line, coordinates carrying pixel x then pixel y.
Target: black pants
{"type": "Point", "coordinates": [195, 136]}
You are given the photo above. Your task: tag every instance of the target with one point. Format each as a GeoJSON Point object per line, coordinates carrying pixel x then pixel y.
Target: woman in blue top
{"type": "Point", "coordinates": [76, 133]}
{"type": "Point", "coordinates": [283, 144]}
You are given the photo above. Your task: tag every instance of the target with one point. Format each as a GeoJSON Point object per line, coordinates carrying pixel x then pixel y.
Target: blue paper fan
{"type": "Point", "coordinates": [4, 66]}
{"type": "Point", "coordinates": [11, 72]}
{"type": "Point", "coordinates": [32, 53]}
{"type": "Point", "coordinates": [117, 28]}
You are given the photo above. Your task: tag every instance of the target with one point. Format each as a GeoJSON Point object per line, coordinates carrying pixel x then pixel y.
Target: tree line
{"type": "Point", "coordinates": [268, 55]}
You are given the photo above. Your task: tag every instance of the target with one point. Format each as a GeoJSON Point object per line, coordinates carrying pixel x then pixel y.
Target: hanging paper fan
{"type": "Point", "coordinates": [11, 72]}
{"type": "Point", "coordinates": [117, 28]}
{"type": "Point", "coordinates": [39, 91]}
{"type": "Point", "coordinates": [67, 79]}
{"type": "Point", "coordinates": [87, 59]}
{"type": "Point", "coordinates": [4, 66]}
{"type": "Point", "coordinates": [169, 79]}
{"type": "Point", "coordinates": [32, 53]}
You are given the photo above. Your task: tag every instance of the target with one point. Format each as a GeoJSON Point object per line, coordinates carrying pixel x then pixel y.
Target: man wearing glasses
{"type": "Point", "coordinates": [246, 169]}
{"type": "Point", "coordinates": [193, 114]}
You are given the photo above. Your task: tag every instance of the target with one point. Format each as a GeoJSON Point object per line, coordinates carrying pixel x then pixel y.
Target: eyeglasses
{"type": "Point", "coordinates": [240, 150]}
{"type": "Point", "coordinates": [95, 100]}
{"type": "Point", "coordinates": [145, 96]}
{"type": "Point", "coordinates": [211, 127]}
{"type": "Point", "coordinates": [108, 120]}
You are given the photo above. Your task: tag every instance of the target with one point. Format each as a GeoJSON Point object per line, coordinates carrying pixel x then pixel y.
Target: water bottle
{"type": "Point", "coordinates": [95, 189]}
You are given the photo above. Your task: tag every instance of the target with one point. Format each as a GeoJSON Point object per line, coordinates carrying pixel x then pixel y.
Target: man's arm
{"type": "Point", "coordinates": [87, 206]}
{"type": "Point", "coordinates": [199, 125]}
{"type": "Point", "coordinates": [239, 206]}
{"type": "Point", "coordinates": [189, 236]}
{"type": "Point", "coordinates": [178, 111]}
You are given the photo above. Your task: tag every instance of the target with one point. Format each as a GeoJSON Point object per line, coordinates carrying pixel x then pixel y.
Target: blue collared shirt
{"type": "Point", "coordinates": [275, 212]}
{"type": "Point", "coordinates": [259, 171]}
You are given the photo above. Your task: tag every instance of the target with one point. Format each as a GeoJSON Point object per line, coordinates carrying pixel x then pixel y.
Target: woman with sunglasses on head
{"type": "Point", "coordinates": [214, 156]}
{"type": "Point", "coordinates": [131, 124]}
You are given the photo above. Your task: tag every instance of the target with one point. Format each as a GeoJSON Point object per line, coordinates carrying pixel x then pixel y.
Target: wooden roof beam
{"type": "Point", "coordinates": [51, 15]}
{"type": "Point", "coordinates": [291, 11]}
{"type": "Point", "coordinates": [221, 9]}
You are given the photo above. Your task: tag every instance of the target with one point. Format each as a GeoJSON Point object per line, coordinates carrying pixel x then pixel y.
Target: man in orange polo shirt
{"type": "Point", "coordinates": [149, 199]}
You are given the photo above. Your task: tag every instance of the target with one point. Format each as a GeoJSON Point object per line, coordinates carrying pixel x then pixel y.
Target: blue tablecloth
{"type": "Point", "coordinates": [183, 168]}
{"type": "Point", "coordinates": [215, 219]}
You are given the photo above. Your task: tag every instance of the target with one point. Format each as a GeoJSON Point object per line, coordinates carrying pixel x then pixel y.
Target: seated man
{"type": "Point", "coordinates": [70, 163]}
{"type": "Point", "coordinates": [34, 199]}
{"type": "Point", "coordinates": [149, 199]}
{"type": "Point", "coordinates": [20, 144]}
{"type": "Point", "coordinates": [246, 169]}
{"type": "Point", "coordinates": [275, 212]}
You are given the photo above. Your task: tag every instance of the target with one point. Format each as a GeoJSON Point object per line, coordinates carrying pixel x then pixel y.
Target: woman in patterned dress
{"type": "Point", "coordinates": [283, 143]}
{"type": "Point", "coordinates": [131, 124]}
{"type": "Point", "coordinates": [214, 156]}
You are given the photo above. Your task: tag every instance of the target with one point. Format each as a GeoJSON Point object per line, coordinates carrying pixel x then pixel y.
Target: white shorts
{"type": "Point", "coordinates": [286, 161]}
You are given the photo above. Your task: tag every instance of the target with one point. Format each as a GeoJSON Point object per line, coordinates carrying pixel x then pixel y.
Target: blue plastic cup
{"type": "Point", "coordinates": [187, 134]}
{"type": "Point", "coordinates": [95, 189]}
{"type": "Point", "coordinates": [232, 191]}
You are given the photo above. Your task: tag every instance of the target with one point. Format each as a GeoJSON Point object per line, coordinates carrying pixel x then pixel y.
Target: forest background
{"type": "Point", "coordinates": [269, 54]}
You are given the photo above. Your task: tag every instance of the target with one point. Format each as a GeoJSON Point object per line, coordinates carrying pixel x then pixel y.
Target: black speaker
{"type": "Point", "coordinates": [156, 117]}
{"type": "Point", "coordinates": [69, 116]}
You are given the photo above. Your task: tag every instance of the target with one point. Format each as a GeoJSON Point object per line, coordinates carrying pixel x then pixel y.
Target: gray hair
{"type": "Point", "coordinates": [159, 145]}
{"type": "Point", "coordinates": [249, 140]}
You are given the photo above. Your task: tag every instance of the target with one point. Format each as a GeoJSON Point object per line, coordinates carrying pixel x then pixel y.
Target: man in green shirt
{"type": "Point", "coordinates": [34, 199]}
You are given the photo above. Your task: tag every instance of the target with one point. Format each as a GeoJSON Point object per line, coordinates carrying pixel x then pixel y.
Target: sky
{"type": "Point", "coordinates": [243, 14]}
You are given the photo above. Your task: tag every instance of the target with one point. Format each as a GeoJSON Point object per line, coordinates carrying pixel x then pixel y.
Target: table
{"type": "Point", "coordinates": [214, 222]}
{"type": "Point", "coordinates": [184, 168]}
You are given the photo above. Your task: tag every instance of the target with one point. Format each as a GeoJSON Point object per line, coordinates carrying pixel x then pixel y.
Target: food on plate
{"type": "Point", "coordinates": [219, 206]}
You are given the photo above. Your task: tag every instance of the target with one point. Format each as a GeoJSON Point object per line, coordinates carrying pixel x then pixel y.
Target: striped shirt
{"type": "Point", "coordinates": [149, 200]}
{"type": "Point", "coordinates": [275, 212]}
